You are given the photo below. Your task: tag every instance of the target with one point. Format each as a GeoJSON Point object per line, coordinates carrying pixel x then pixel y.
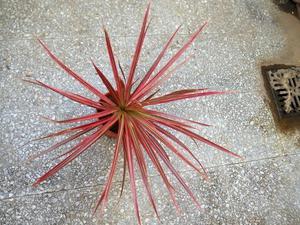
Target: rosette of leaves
{"type": "Point", "coordinates": [122, 113]}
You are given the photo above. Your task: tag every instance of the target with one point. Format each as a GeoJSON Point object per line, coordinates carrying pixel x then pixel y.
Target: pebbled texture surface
{"type": "Point", "coordinates": [262, 189]}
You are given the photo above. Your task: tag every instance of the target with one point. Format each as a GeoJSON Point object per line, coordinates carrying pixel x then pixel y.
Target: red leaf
{"type": "Point", "coordinates": [71, 129]}
{"type": "Point", "coordinates": [170, 62]}
{"type": "Point", "coordinates": [149, 148]}
{"type": "Point", "coordinates": [57, 145]}
{"type": "Point", "coordinates": [78, 149]}
{"type": "Point", "coordinates": [137, 53]}
{"type": "Point", "coordinates": [87, 117]}
{"type": "Point", "coordinates": [105, 192]}
{"type": "Point", "coordinates": [165, 115]}
{"type": "Point", "coordinates": [141, 163]}
{"type": "Point", "coordinates": [128, 148]}
{"type": "Point", "coordinates": [106, 83]}
{"type": "Point", "coordinates": [155, 64]}
{"type": "Point", "coordinates": [70, 95]}
{"type": "Point", "coordinates": [198, 137]}
{"type": "Point", "coordinates": [76, 76]}
{"type": "Point", "coordinates": [176, 97]}
{"type": "Point", "coordinates": [112, 62]}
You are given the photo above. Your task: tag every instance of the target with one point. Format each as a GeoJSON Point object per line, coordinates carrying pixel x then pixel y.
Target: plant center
{"type": "Point", "coordinates": [115, 127]}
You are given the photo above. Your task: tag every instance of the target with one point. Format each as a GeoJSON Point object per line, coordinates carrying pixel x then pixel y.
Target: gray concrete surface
{"type": "Point", "coordinates": [262, 189]}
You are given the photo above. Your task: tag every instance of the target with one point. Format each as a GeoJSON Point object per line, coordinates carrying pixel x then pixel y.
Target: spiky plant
{"type": "Point", "coordinates": [122, 113]}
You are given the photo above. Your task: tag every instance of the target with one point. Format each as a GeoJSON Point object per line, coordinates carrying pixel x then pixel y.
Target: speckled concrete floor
{"type": "Point", "coordinates": [262, 189]}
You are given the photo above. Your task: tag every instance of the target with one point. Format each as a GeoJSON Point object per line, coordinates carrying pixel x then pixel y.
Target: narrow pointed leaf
{"type": "Point", "coordinates": [88, 117]}
{"type": "Point", "coordinates": [137, 53]}
{"type": "Point", "coordinates": [154, 66]}
{"type": "Point", "coordinates": [75, 97]}
{"type": "Point", "coordinates": [112, 61]}
{"type": "Point", "coordinates": [73, 74]}
{"type": "Point", "coordinates": [80, 148]}
{"type": "Point", "coordinates": [106, 82]}
{"type": "Point", "coordinates": [170, 62]}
